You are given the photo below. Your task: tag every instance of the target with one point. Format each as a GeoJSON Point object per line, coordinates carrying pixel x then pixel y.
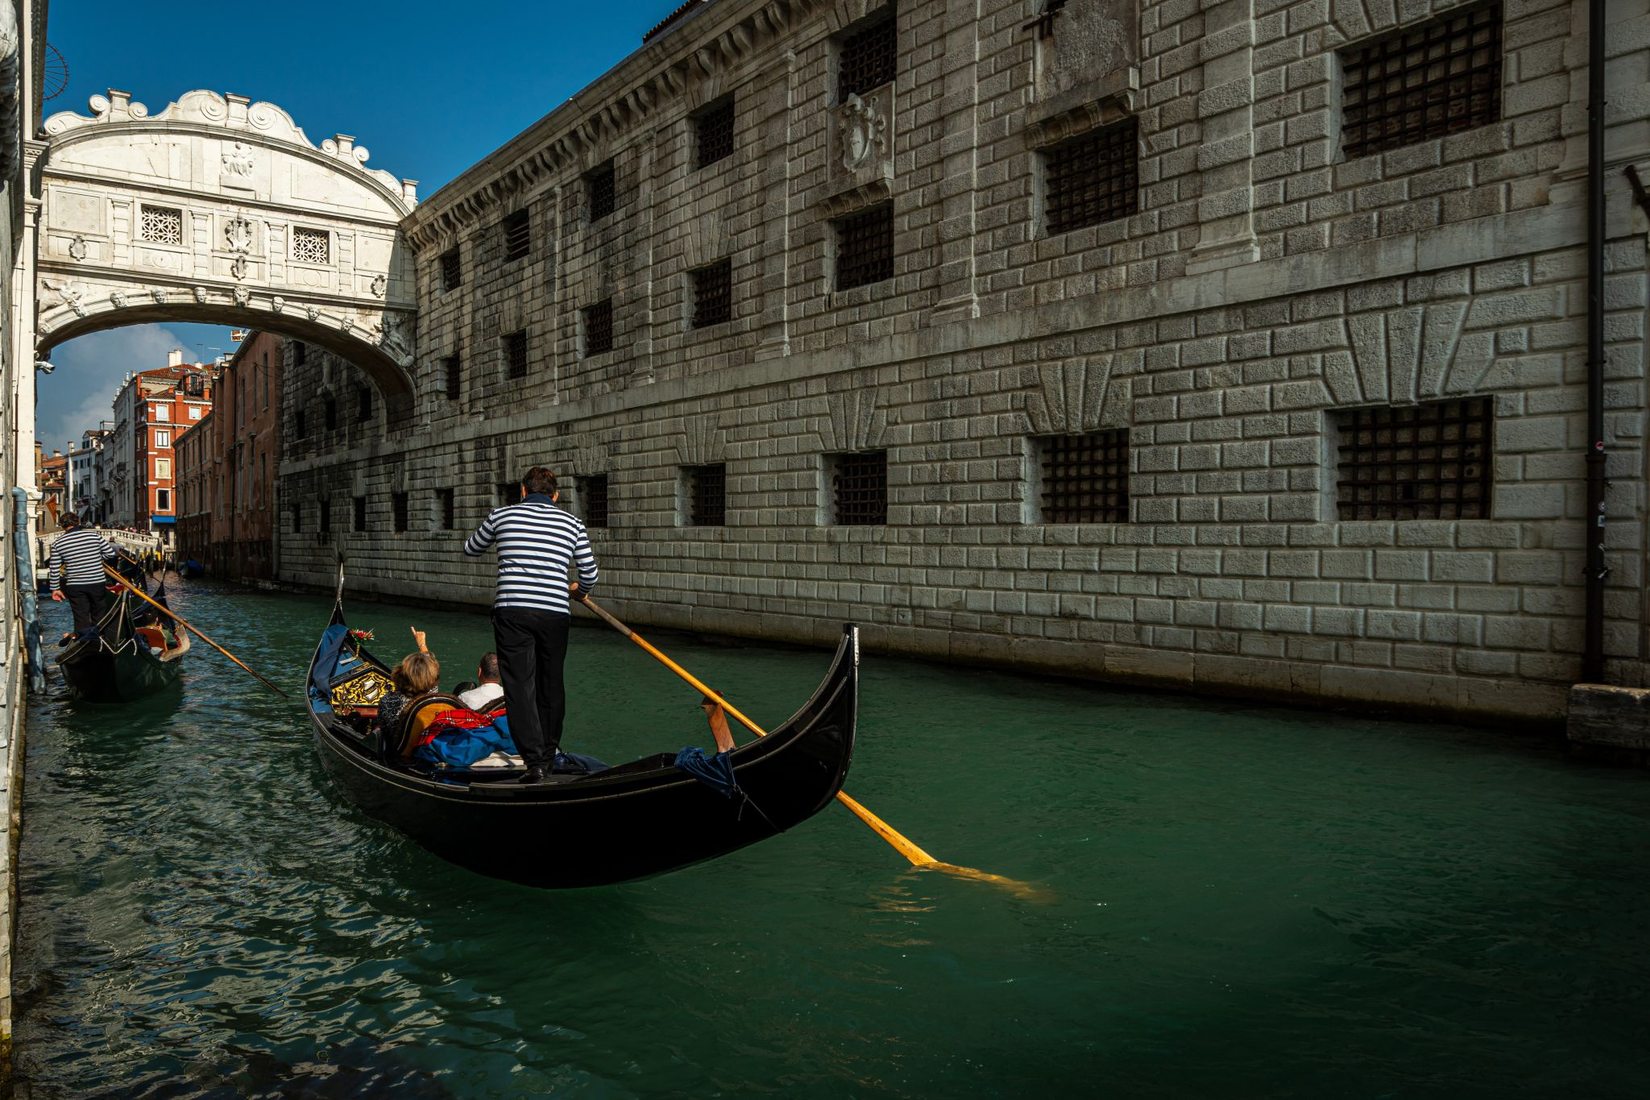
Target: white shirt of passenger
{"type": "Point", "coordinates": [481, 695]}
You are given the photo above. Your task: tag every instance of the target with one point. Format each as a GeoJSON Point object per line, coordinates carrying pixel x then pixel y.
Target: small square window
{"type": "Point", "coordinates": [600, 192]}
{"type": "Point", "coordinates": [329, 411]}
{"type": "Point", "coordinates": [598, 327]}
{"type": "Point", "coordinates": [1085, 477]}
{"type": "Point", "coordinates": [398, 511]}
{"type": "Point", "coordinates": [865, 247]}
{"type": "Point", "coordinates": [300, 353]}
{"type": "Point", "coordinates": [713, 129]}
{"type": "Point", "coordinates": [452, 271]}
{"type": "Point", "coordinates": [593, 496]}
{"type": "Point", "coordinates": [1093, 177]}
{"type": "Point", "coordinates": [163, 500]}
{"type": "Point", "coordinates": [325, 526]}
{"type": "Point", "coordinates": [311, 246]}
{"type": "Point", "coordinates": [1434, 460]}
{"type": "Point", "coordinates": [360, 513]}
{"type": "Point", "coordinates": [859, 488]}
{"type": "Point", "coordinates": [444, 504]}
{"type": "Point", "coordinates": [869, 55]}
{"type": "Point", "coordinates": [363, 404]}
{"type": "Point", "coordinates": [713, 294]}
{"type": "Point", "coordinates": [453, 369]}
{"type": "Point", "coordinates": [705, 494]}
{"type": "Point", "coordinates": [297, 519]}
{"type": "Point", "coordinates": [515, 354]}
{"type": "Point", "coordinates": [518, 235]}
{"type": "Point", "coordinates": [161, 225]}
{"type": "Point", "coordinates": [300, 425]}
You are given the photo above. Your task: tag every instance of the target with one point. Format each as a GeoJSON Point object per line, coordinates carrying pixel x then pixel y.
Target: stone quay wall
{"type": "Point", "coordinates": [1266, 283]}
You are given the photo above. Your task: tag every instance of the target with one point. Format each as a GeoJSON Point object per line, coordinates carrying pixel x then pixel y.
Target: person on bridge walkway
{"type": "Point", "coordinates": [76, 572]}
{"type": "Point", "coordinates": [537, 544]}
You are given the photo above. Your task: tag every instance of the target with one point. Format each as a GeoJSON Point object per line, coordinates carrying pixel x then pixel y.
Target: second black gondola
{"type": "Point", "coordinates": [120, 662]}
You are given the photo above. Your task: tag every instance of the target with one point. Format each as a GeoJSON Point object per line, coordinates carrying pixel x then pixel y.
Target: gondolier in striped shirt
{"type": "Point", "coordinates": [76, 571]}
{"type": "Point", "coordinates": [539, 544]}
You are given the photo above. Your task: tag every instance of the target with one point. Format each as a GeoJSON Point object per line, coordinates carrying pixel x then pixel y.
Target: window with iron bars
{"type": "Point", "coordinates": [1427, 461]}
{"type": "Point", "coordinates": [1435, 78]}
{"type": "Point", "coordinates": [593, 497]}
{"type": "Point", "coordinates": [300, 426]}
{"type": "Point", "coordinates": [325, 526]}
{"type": "Point", "coordinates": [713, 129]}
{"type": "Point", "coordinates": [599, 192]}
{"type": "Point", "coordinates": [297, 519]}
{"type": "Point", "coordinates": [444, 504]}
{"type": "Point", "coordinates": [598, 327]}
{"type": "Point", "coordinates": [452, 270]}
{"type": "Point", "coordinates": [518, 235]}
{"type": "Point", "coordinates": [859, 488]}
{"type": "Point", "coordinates": [705, 495]}
{"type": "Point", "coordinates": [363, 404]}
{"type": "Point", "coordinates": [398, 511]}
{"type": "Point", "coordinates": [360, 513]}
{"type": "Point", "coordinates": [300, 353]}
{"type": "Point", "coordinates": [515, 354]}
{"type": "Point", "coordinates": [1084, 477]}
{"type": "Point", "coordinates": [329, 413]}
{"type": "Point", "coordinates": [713, 294]}
{"type": "Point", "coordinates": [865, 247]}
{"type": "Point", "coordinates": [1093, 177]}
{"type": "Point", "coordinates": [868, 56]}
{"type": "Point", "coordinates": [453, 369]}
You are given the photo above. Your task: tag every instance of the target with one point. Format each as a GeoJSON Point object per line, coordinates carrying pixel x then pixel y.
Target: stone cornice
{"type": "Point", "coordinates": [716, 40]}
{"type": "Point", "coordinates": [294, 211]}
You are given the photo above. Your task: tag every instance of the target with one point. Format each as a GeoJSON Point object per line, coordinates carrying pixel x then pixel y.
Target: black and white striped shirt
{"type": "Point", "coordinates": [536, 543]}
{"type": "Point", "coordinates": [77, 558]}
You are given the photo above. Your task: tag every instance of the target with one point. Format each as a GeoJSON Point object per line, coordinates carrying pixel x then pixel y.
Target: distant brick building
{"type": "Point", "coordinates": [151, 410]}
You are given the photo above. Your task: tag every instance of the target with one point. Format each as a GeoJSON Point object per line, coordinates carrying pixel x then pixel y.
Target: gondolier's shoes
{"type": "Point", "coordinates": [535, 774]}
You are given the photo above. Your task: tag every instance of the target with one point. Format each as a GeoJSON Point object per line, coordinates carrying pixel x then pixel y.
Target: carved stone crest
{"type": "Point", "coordinates": [862, 131]}
{"type": "Point", "coordinates": [237, 160]}
{"type": "Point", "coordinates": [238, 234]}
{"type": "Point", "coordinates": [379, 285]}
{"type": "Point", "coordinates": [1084, 41]}
{"type": "Point", "coordinates": [238, 266]}
{"type": "Point", "coordinates": [77, 248]}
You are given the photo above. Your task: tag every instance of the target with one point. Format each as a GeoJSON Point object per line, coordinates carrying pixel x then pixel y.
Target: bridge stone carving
{"type": "Point", "coordinates": [218, 209]}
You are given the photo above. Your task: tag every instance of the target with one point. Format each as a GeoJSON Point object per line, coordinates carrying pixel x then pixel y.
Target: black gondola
{"type": "Point", "coordinates": [118, 664]}
{"type": "Point", "coordinates": [632, 821]}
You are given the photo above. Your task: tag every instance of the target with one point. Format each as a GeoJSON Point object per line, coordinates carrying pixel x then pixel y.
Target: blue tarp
{"type": "Point", "coordinates": [326, 664]}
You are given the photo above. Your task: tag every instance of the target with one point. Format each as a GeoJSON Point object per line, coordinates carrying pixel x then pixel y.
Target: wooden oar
{"type": "Point", "coordinates": [900, 843]}
{"type": "Point", "coordinates": [124, 583]}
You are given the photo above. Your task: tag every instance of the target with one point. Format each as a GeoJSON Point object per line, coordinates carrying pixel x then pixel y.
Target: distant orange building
{"type": "Point", "coordinates": [153, 408]}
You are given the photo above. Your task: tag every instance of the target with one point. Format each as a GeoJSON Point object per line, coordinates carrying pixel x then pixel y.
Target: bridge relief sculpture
{"type": "Point", "coordinates": [219, 209]}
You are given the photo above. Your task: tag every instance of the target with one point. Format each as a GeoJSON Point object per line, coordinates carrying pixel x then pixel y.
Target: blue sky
{"type": "Point", "coordinates": [428, 93]}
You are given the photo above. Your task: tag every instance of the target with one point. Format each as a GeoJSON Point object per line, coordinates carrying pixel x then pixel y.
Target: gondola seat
{"type": "Point", "coordinates": [416, 719]}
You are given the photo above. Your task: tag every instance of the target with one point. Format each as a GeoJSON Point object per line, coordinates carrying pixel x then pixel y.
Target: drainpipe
{"type": "Point", "coordinates": [24, 562]}
{"type": "Point", "coordinates": [1592, 655]}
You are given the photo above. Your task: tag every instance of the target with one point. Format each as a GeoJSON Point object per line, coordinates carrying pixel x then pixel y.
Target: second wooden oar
{"type": "Point", "coordinates": [124, 583]}
{"type": "Point", "coordinates": [887, 832]}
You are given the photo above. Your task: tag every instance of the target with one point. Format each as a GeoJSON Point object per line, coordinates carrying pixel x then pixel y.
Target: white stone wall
{"type": "Point", "coordinates": [1265, 282]}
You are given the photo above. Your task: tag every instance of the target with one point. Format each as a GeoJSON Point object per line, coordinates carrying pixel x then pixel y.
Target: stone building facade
{"type": "Point", "coordinates": [1158, 341]}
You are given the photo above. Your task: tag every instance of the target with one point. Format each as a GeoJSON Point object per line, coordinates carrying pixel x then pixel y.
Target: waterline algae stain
{"type": "Point", "coordinates": [1246, 902]}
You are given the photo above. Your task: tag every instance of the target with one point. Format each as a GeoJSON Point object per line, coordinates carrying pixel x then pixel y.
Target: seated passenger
{"type": "Point", "coordinates": [489, 690]}
{"type": "Point", "coordinates": [418, 675]}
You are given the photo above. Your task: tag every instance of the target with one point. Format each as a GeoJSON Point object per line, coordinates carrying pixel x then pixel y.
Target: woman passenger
{"type": "Point", "coordinates": [418, 675]}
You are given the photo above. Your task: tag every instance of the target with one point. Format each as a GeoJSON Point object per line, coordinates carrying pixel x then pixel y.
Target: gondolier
{"type": "Point", "coordinates": [538, 544]}
{"type": "Point", "coordinates": [76, 572]}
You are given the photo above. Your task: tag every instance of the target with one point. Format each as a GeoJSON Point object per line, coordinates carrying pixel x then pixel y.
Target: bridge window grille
{"type": "Point", "coordinates": [162, 225]}
{"type": "Point", "coordinates": [865, 247]}
{"type": "Point", "coordinates": [360, 513]}
{"type": "Point", "coordinates": [859, 488]}
{"type": "Point", "coordinates": [593, 496]}
{"type": "Point", "coordinates": [452, 270]}
{"type": "Point", "coordinates": [598, 327]}
{"type": "Point", "coordinates": [444, 502]}
{"type": "Point", "coordinates": [1093, 178]}
{"type": "Point", "coordinates": [713, 294]}
{"type": "Point", "coordinates": [705, 492]}
{"type": "Point", "coordinates": [713, 128]}
{"type": "Point", "coordinates": [311, 246]}
{"type": "Point", "coordinates": [600, 192]}
{"type": "Point", "coordinates": [325, 526]}
{"type": "Point", "coordinates": [398, 511]}
{"type": "Point", "coordinates": [454, 370]}
{"type": "Point", "coordinates": [1085, 477]}
{"type": "Point", "coordinates": [1427, 461]}
{"type": "Point", "coordinates": [363, 404]}
{"type": "Point", "coordinates": [869, 56]}
{"type": "Point", "coordinates": [515, 354]}
{"type": "Point", "coordinates": [1435, 78]}
{"type": "Point", "coordinates": [518, 235]}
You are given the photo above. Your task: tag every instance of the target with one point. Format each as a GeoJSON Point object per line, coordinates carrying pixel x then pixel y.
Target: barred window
{"type": "Point", "coordinates": [713, 294]}
{"type": "Point", "coordinates": [329, 412]}
{"type": "Point", "coordinates": [865, 247]}
{"type": "Point", "coordinates": [360, 513]}
{"type": "Point", "coordinates": [713, 127]}
{"type": "Point", "coordinates": [161, 225]}
{"type": "Point", "coordinates": [518, 235]}
{"type": "Point", "coordinates": [598, 327]}
{"type": "Point", "coordinates": [1093, 177]}
{"type": "Point", "coordinates": [1427, 461]}
{"type": "Point", "coordinates": [515, 354]}
{"type": "Point", "coordinates": [599, 191]}
{"type": "Point", "coordinates": [300, 353]}
{"type": "Point", "coordinates": [297, 519]}
{"type": "Point", "coordinates": [311, 246]}
{"type": "Point", "coordinates": [452, 270]}
{"type": "Point", "coordinates": [363, 404]}
{"type": "Point", "coordinates": [398, 511]}
{"type": "Point", "coordinates": [1435, 78]}
{"type": "Point", "coordinates": [444, 503]}
{"type": "Point", "coordinates": [593, 497]}
{"type": "Point", "coordinates": [325, 526]}
{"type": "Point", "coordinates": [1085, 477]}
{"type": "Point", "coordinates": [453, 369]}
{"type": "Point", "coordinates": [705, 494]}
{"type": "Point", "coordinates": [300, 425]}
{"type": "Point", "coordinates": [869, 55]}
{"type": "Point", "coordinates": [859, 488]}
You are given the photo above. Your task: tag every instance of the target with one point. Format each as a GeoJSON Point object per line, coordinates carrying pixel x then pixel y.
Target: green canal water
{"type": "Point", "coordinates": [1245, 901]}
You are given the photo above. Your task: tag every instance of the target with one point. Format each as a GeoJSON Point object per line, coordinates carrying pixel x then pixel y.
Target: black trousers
{"type": "Point", "coordinates": [88, 602]}
{"type": "Point", "coordinates": [531, 647]}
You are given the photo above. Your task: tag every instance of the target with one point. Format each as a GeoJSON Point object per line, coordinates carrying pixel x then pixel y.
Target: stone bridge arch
{"type": "Point", "coordinates": [221, 210]}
